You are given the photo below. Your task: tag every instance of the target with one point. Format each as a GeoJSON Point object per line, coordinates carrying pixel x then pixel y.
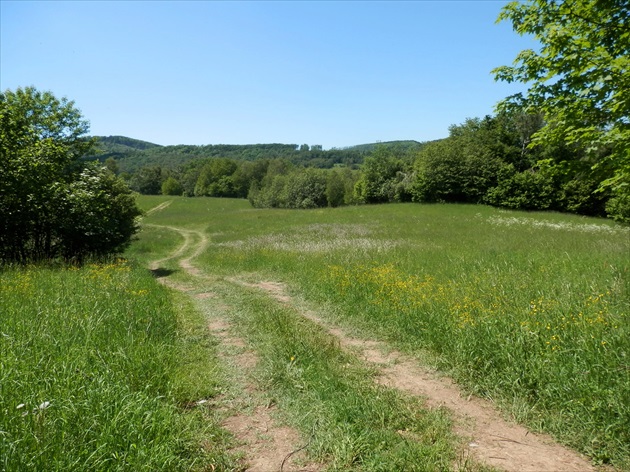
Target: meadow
{"type": "Point", "coordinates": [102, 366]}
{"type": "Point", "coordinates": [530, 310]}
{"type": "Point", "coordinates": [95, 370]}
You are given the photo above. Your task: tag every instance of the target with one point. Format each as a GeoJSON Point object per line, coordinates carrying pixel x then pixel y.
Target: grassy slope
{"type": "Point", "coordinates": [529, 309]}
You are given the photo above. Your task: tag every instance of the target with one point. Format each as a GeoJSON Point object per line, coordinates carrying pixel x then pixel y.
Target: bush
{"type": "Point", "coordinates": [306, 188]}
{"type": "Point", "coordinates": [98, 215]}
{"type": "Point", "coordinates": [54, 204]}
{"type": "Point", "coordinates": [171, 186]}
{"type": "Point", "coordinates": [529, 190]}
{"type": "Point", "coordinates": [618, 207]}
{"type": "Point", "coordinates": [454, 170]}
{"type": "Point", "coordinates": [579, 196]}
{"type": "Point", "coordinates": [382, 174]}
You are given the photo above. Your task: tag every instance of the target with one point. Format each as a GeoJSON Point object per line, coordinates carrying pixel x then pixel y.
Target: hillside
{"type": "Point", "coordinates": [407, 145]}
{"type": "Point", "coordinates": [120, 146]}
{"type": "Point", "coordinates": [133, 154]}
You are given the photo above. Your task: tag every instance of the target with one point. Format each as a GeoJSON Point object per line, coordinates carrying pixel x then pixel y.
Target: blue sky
{"type": "Point", "coordinates": [329, 72]}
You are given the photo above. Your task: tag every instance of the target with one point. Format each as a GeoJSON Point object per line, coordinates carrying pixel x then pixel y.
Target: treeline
{"type": "Point", "coordinates": [486, 161]}
{"type": "Point", "coordinates": [483, 160]}
{"type": "Point", "coordinates": [308, 177]}
{"type": "Point", "coordinates": [132, 155]}
{"type": "Point", "coordinates": [274, 183]}
{"type": "Point", "coordinates": [490, 161]}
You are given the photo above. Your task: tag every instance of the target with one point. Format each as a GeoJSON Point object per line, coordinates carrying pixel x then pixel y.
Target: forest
{"type": "Point", "coordinates": [485, 160]}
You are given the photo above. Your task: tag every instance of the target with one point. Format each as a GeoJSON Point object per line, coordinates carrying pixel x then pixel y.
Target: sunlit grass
{"type": "Point", "coordinates": [530, 309]}
{"type": "Point", "coordinates": [90, 372]}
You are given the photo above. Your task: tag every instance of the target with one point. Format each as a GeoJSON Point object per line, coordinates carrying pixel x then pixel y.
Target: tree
{"type": "Point", "coordinates": [462, 167]}
{"type": "Point", "coordinates": [579, 79]}
{"type": "Point", "coordinates": [335, 188]}
{"type": "Point", "coordinates": [247, 174]}
{"type": "Point", "coordinates": [306, 188]}
{"type": "Point", "coordinates": [381, 174]}
{"type": "Point", "coordinates": [52, 203]}
{"type": "Point", "coordinates": [112, 165]}
{"type": "Point", "coordinates": [171, 186]}
{"type": "Point", "coordinates": [97, 214]}
{"type": "Point", "coordinates": [215, 178]}
{"type": "Point", "coordinates": [148, 180]}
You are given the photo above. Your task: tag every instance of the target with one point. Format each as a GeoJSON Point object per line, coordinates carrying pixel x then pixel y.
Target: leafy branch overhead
{"type": "Point", "coordinates": [579, 79]}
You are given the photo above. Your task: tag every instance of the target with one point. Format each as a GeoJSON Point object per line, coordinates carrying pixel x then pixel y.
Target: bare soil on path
{"type": "Point", "coordinates": [489, 439]}
{"type": "Point", "coordinates": [264, 443]}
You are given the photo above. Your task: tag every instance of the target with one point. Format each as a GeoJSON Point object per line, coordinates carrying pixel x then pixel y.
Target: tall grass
{"type": "Point", "coordinates": [530, 309]}
{"type": "Point", "coordinates": [88, 372]}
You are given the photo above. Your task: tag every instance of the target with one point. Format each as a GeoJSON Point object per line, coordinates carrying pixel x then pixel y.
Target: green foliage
{"type": "Point", "coordinates": [148, 180]}
{"type": "Point", "coordinates": [271, 192]}
{"type": "Point", "coordinates": [171, 186]}
{"type": "Point", "coordinates": [286, 186]}
{"type": "Point", "coordinates": [464, 166]}
{"type": "Point", "coordinates": [528, 190]}
{"type": "Point", "coordinates": [579, 80]}
{"type": "Point", "coordinates": [215, 179]}
{"type": "Point", "coordinates": [384, 177]}
{"type": "Point", "coordinates": [306, 189]}
{"type": "Point", "coordinates": [110, 145]}
{"type": "Point", "coordinates": [335, 188]}
{"type": "Point", "coordinates": [271, 195]}
{"type": "Point", "coordinates": [112, 165]}
{"type": "Point", "coordinates": [399, 147]}
{"type": "Point", "coordinates": [489, 160]}
{"type": "Point", "coordinates": [247, 174]}
{"type": "Point", "coordinates": [439, 172]}
{"type": "Point", "coordinates": [619, 207]}
{"type": "Point", "coordinates": [98, 214]}
{"type": "Point", "coordinates": [52, 203]}
{"type": "Point", "coordinates": [132, 154]}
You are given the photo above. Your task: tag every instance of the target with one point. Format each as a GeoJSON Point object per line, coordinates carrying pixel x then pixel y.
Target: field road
{"type": "Point", "coordinates": [488, 438]}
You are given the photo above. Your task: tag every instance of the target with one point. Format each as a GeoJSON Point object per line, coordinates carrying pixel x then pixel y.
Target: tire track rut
{"type": "Point", "coordinates": [264, 444]}
{"type": "Point", "coordinates": [490, 439]}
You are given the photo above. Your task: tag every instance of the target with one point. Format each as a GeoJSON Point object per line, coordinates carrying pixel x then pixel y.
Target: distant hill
{"type": "Point", "coordinates": [124, 144]}
{"type": "Point", "coordinates": [133, 154]}
{"type": "Point", "coordinates": [402, 145]}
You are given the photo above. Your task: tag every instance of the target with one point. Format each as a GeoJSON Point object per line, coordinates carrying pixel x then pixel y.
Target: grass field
{"type": "Point", "coordinates": [95, 368]}
{"type": "Point", "coordinates": [528, 309]}
{"type": "Point", "coordinates": [100, 365]}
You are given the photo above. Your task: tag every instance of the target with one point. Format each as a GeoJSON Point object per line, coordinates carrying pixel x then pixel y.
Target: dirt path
{"type": "Point", "coordinates": [265, 445]}
{"type": "Point", "coordinates": [192, 239]}
{"type": "Point", "coordinates": [490, 439]}
{"type": "Point", "coordinates": [159, 207]}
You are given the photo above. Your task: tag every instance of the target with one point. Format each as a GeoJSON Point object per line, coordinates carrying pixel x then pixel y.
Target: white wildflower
{"type": "Point", "coordinates": [43, 406]}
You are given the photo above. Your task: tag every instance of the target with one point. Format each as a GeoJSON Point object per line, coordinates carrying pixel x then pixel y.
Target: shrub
{"type": "Point", "coordinates": [618, 208]}
{"type": "Point", "coordinates": [529, 190]}
{"type": "Point", "coordinates": [171, 186]}
{"type": "Point", "coordinates": [52, 203]}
